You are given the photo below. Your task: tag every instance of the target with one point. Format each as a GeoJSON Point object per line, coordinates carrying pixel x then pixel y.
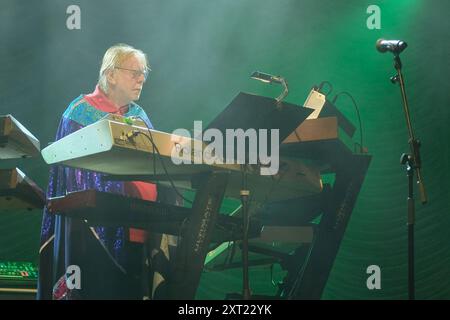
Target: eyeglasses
{"type": "Point", "coordinates": [136, 73]}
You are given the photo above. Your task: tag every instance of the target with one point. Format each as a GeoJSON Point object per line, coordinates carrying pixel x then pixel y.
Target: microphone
{"type": "Point", "coordinates": [395, 46]}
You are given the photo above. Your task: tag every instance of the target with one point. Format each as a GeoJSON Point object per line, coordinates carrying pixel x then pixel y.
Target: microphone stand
{"type": "Point", "coordinates": [413, 164]}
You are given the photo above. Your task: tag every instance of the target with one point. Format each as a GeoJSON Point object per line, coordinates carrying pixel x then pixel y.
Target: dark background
{"type": "Point", "coordinates": [202, 53]}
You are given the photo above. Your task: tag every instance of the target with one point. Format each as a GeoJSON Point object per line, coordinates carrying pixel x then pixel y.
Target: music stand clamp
{"type": "Point", "coordinates": [245, 194]}
{"type": "Point", "coordinates": [413, 164]}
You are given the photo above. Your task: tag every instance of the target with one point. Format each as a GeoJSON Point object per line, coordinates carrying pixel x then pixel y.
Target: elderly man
{"type": "Point", "coordinates": [105, 256]}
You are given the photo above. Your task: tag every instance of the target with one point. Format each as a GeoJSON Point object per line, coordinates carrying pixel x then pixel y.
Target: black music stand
{"type": "Point", "coordinates": [249, 111]}
{"type": "Point", "coordinates": [17, 191]}
{"type": "Point", "coordinates": [15, 140]}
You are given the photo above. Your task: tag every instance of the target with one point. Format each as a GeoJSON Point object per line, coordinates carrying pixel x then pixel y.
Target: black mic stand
{"type": "Point", "coordinates": [413, 164]}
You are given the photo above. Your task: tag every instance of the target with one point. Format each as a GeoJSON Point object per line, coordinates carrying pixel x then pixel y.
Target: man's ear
{"type": "Point", "coordinates": [110, 76]}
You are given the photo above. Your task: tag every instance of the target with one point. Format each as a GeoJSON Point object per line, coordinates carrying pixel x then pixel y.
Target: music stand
{"type": "Point", "coordinates": [249, 111]}
{"type": "Point", "coordinates": [15, 140]}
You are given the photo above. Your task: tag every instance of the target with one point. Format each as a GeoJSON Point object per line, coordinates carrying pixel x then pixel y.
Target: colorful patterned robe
{"type": "Point", "coordinates": [106, 259]}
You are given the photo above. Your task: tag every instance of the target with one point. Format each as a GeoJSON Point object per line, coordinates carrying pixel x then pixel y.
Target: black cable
{"type": "Point", "coordinates": [164, 166]}
{"type": "Point", "coordinates": [329, 84]}
{"type": "Point", "coordinates": [155, 148]}
{"type": "Point", "coordinates": [357, 113]}
{"type": "Point", "coordinates": [290, 295]}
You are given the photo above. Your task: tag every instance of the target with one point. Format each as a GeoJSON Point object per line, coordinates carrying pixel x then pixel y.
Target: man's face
{"type": "Point", "coordinates": [127, 80]}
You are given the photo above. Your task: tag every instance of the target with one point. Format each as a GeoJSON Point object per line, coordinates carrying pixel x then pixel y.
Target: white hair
{"type": "Point", "coordinates": [114, 57]}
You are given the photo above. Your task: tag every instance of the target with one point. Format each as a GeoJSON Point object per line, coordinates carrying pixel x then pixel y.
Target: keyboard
{"type": "Point", "coordinates": [18, 274]}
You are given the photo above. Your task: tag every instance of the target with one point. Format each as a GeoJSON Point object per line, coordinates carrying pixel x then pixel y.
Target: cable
{"type": "Point", "coordinates": [164, 167]}
{"type": "Point", "coordinates": [329, 84]}
{"type": "Point", "coordinates": [357, 112]}
{"type": "Point", "coordinates": [155, 148]}
{"type": "Point", "coordinates": [290, 295]}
